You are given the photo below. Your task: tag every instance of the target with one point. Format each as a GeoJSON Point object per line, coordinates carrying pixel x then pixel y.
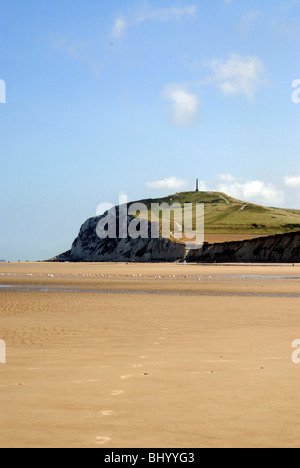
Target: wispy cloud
{"type": "Point", "coordinates": [248, 20]}
{"type": "Point", "coordinates": [147, 13]}
{"type": "Point", "coordinates": [238, 75]}
{"type": "Point", "coordinates": [170, 183]}
{"type": "Point", "coordinates": [79, 50]}
{"type": "Point", "coordinates": [184, 104]}
{"type": "Point", "coordinates": [288, 27]}
{"type": "Point", "coordinates": [227, 178]}
{"type": "Point", "coordinates": [120, 28]}
{"type": "Point", "coordinates": [72, 48]}
{"type": "Point", "coordinates": [165, 14]}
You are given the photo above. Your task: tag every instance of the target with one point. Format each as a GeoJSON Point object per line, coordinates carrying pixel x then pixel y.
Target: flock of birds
{"type": "Point", "coordinates": [103, 276]}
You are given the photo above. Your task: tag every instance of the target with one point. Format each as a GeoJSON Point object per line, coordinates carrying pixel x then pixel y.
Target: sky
{"type": "Point", "coordinates": [99, 98]}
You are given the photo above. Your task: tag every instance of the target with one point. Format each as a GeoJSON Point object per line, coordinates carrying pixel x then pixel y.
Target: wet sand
{"type": "Point", "coordinates": [201, 357]}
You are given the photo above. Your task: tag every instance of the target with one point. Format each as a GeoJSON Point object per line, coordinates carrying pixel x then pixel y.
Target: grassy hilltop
{"type": "Point", "coordinates": [224, 214]}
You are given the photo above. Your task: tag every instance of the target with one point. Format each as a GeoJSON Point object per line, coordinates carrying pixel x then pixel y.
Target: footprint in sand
{"type": "Point", "coordinates": [101, 440]}
{"type": "Point", "coordinates": [117, 392]}
{"type": "Point", "coordinates": [125, 377]}
{"type": "Point", "coordinates": [107, 413]}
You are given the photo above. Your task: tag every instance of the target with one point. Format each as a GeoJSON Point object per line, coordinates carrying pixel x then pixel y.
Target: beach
{"type": "Point", "coordinates": [149, 355]}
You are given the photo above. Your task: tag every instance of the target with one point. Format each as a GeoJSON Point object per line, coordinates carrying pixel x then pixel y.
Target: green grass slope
{"type": "Point", "coordinates": [226, 215]}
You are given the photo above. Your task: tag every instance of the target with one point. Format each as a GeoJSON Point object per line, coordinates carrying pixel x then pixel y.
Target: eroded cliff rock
{"type": "Point", "coordinates": [88, 247]}
{"type": "Point", "coordinates": [283, 248]}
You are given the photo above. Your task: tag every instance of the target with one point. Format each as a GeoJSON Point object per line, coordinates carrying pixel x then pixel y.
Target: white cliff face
{"type": "Point", "coordinates": [88, 247]}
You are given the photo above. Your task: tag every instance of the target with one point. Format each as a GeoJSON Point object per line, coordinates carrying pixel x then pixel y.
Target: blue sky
{"type": "Point", "coordinates": [142, 97]}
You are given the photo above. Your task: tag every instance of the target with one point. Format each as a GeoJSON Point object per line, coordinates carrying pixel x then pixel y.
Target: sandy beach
{"type": "Point", "coordinates": [147, 355]}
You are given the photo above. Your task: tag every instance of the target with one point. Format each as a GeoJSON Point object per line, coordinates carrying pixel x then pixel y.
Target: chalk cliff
{"type": "Point", "coordinates": [88, 247]}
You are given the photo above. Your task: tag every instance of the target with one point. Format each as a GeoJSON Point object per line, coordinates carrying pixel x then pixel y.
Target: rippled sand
{"type": "Point", "coordinates": [209, 367]}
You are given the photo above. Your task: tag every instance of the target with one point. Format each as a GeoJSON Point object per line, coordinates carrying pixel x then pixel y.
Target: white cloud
{"type": "Point", "coordinates": [120, 28]}
{"type": "Point", "coordinates": [292, 182]}
{"type": "Point", "coordinates": [185, 105]}
{"type": "Point", "coordinates": [203, 187]}
{"type": "Point", "coordinates": [252, 191]}
{"type": "Point", "coordinates": [255, 191]}
{"type": "Point", "coordinates": [171, 183]}
{"type": "Point", "coordinates": [238, 75]}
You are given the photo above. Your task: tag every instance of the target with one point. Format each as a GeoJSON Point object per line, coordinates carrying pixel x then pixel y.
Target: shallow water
{"type": "Point", "coordinates": [58, 289]}
{"type": "Point", "coordinates": [261, 277]}
{"type": "Point", "coordinates": [187, 277]}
